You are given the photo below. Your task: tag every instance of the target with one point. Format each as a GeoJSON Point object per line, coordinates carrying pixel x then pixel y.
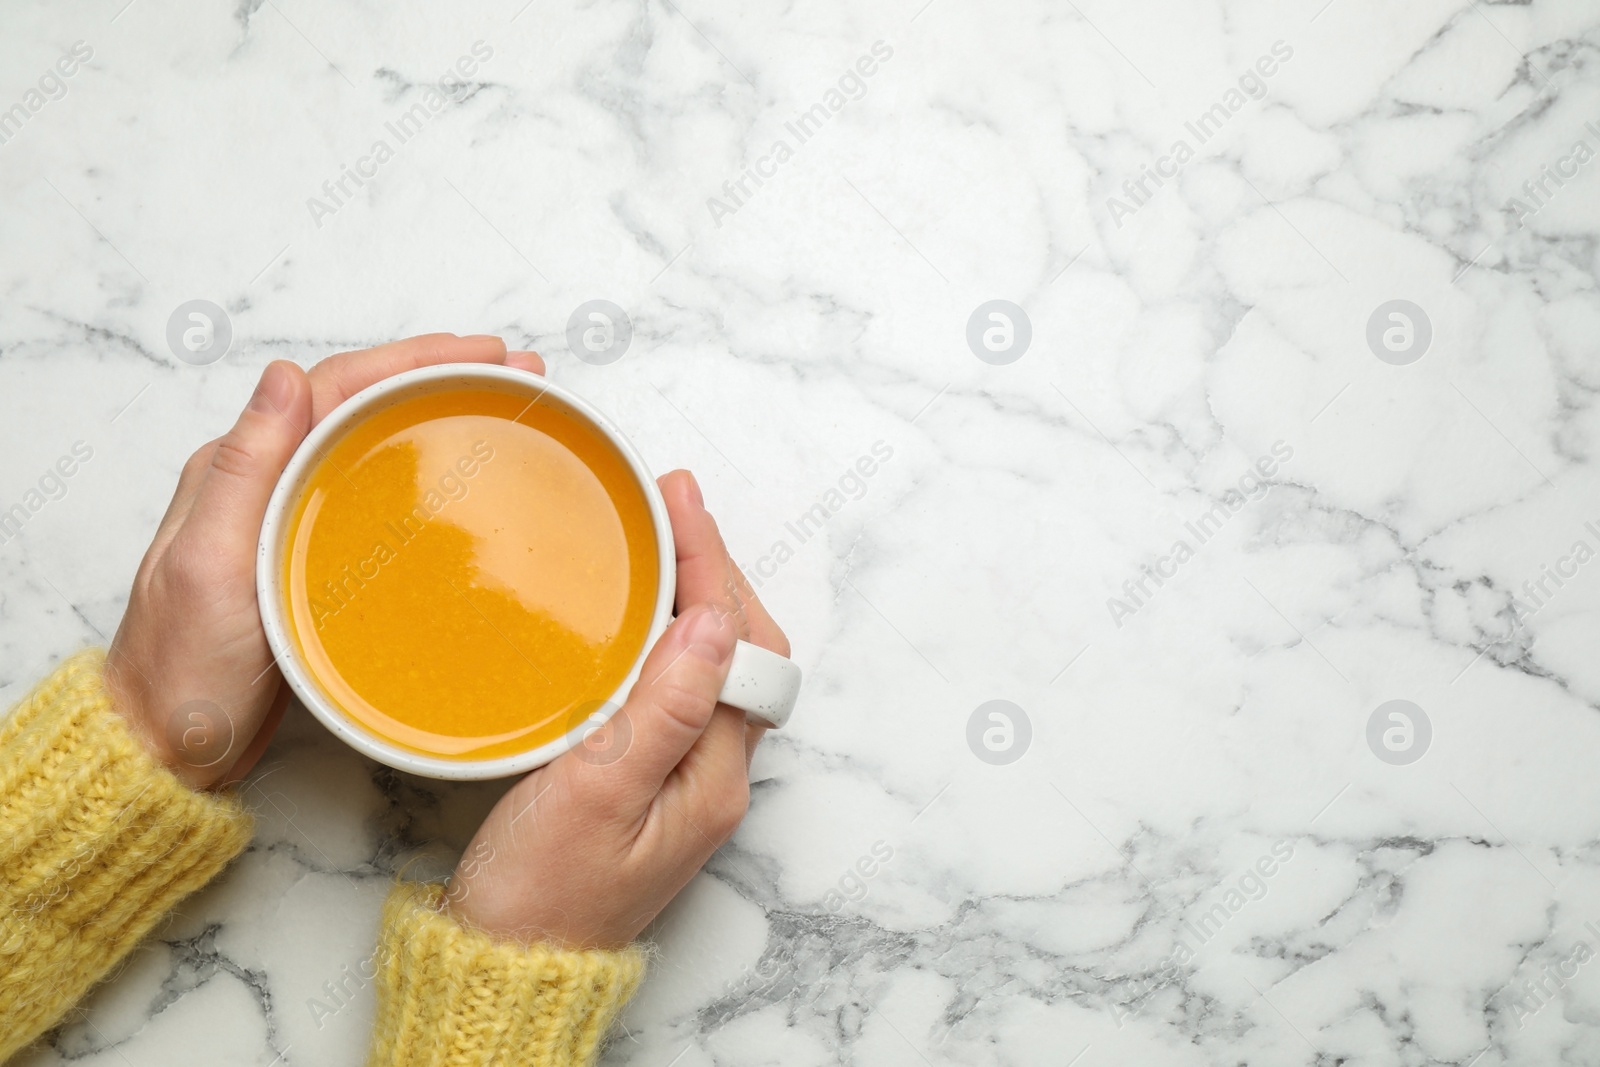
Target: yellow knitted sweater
{"type": "Point", "coordinates": [98, 840]}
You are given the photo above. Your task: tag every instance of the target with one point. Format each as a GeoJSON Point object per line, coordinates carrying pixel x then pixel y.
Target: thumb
{"type": "Point", "coordinates": [232, 498]}
{"type": "Point", "coordinates": [668, 709]}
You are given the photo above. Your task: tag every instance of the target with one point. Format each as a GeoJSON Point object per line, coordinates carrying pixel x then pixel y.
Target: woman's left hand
{"type": "Point", "coordinates": [190, 667]}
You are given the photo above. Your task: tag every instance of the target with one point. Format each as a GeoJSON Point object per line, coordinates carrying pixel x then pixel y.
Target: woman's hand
{"type": "Point", "coordinates": [585, 851]}
{"type": "Point", "coordinates": [190, 667]}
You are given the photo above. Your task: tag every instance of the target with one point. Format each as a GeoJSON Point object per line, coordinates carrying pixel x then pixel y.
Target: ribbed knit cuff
{"type": "Point", "coordinates": [97, 842]}
{"type": "Point", "coordinates": [451, 995]}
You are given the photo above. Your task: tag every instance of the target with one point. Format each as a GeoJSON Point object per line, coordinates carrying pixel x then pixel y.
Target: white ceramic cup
{"type": "Point", "coordinates": [760, 683]}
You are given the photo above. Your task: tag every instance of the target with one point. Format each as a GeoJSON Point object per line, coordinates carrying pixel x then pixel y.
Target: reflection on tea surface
{"type": "Point", "coordinates": [466, 569]}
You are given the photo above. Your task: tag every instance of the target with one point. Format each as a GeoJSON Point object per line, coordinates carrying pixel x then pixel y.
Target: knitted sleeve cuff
{"type": "Point", "coordinates": [97, 842]}
{"type": "Point", "coordinates": [451, 995]}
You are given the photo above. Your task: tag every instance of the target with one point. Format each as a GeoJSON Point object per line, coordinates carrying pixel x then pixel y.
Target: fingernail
{"type": "Point", "coordinates": [694, 491]}
{"type": "Point", "coordinates": [273, 390]}
{"type": "Point", "coordinates": [480, 337]}
{"type": "Point", "coordinates": [711, 636]}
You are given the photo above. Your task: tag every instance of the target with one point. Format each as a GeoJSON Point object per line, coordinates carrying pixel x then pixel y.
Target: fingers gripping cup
{"type": "Point", "coordinates": [461, 571]}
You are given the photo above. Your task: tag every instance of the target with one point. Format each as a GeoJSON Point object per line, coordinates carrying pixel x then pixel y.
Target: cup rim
{"type": "Point", "coordinates": [286, 494]}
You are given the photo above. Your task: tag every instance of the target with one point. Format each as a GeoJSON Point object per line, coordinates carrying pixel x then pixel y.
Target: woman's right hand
{"type": "Point", "coordinates": [585, 851]}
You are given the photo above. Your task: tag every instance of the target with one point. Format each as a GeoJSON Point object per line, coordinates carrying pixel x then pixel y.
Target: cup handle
{"type": "Point", "coordinates": [761, 684]}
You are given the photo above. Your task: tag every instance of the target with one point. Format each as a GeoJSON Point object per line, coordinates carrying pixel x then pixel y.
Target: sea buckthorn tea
{"type": "Point", "coordinates": [467, 573]}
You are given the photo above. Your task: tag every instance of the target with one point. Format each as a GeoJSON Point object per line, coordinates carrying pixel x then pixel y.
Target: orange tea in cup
{"type": "Point", "coordinates": [468, 574]}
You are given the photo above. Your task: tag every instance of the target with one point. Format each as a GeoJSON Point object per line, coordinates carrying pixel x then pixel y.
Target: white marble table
{"type": "Point", "coordinates": [1191, 853]}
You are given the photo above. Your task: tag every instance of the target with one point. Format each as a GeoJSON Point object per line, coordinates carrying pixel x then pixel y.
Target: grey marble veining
{"type": "Point", "coordinates": [1197, 533]}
